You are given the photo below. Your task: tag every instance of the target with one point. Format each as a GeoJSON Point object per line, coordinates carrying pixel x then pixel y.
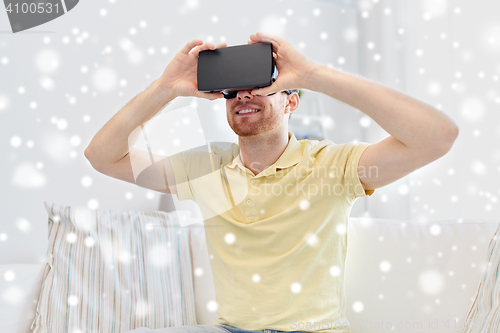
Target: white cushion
{"type": "Point", "coordinates": [204, 293]}
{"type": "Point", "coordinates": [113, 270]}
{"type": "Point", "coordinates": [397, 272]}
{"type": "Point", "coordinates": [19, 289]}
{"type": "Point", "coordinates": [420, 276]}
{"type": "Point", "coordinates": [485, 312]}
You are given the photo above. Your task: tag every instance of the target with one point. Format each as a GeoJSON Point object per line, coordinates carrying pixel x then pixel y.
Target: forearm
{"type": "Point", "coordinates": [416, 124]}
{"type": "Point", "coordinates": [112, 141]}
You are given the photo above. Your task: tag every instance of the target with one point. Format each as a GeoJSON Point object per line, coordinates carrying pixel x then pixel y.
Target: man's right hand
{"type": "Point", "coordinates": [180, 75]}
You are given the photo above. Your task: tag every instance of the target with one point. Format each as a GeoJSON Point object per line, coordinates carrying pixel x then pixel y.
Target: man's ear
{"type": "Point", "coordinates": [292, 102]}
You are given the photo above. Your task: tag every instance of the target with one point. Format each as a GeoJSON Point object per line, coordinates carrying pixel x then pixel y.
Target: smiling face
{"type": "Point", "coordinates": [272, 112]}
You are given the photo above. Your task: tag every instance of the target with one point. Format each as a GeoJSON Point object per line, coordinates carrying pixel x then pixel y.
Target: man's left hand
{"type": "Point", "coordinates": [294, 69]}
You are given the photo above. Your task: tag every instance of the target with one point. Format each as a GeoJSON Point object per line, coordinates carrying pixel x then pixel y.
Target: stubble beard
{"type": "Point", "coordinates": [243, 128]}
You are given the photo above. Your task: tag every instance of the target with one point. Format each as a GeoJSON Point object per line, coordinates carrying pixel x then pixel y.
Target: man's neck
{"type": "Point", "coordinates": [257, 152]}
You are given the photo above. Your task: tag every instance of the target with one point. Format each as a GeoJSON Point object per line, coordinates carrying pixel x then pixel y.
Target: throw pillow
{"type": "Point", "coordinates": [114, 271]}
{"type": "Point", "coordinates": [484, 315]}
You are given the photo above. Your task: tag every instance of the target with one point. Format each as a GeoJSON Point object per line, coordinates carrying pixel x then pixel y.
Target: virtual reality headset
{"type": "Point", "coordinates": [234, 68]}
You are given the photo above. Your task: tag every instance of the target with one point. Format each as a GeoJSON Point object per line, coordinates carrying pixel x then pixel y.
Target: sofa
{"type": "Point", "coordinates": [400, 275]}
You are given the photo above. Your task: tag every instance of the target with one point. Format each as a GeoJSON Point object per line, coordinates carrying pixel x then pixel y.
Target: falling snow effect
{"type": "Point", "coordinates": [64, 93]}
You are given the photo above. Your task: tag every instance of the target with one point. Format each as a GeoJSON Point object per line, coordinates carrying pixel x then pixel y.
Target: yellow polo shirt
{"type": "Point", "coordinates": [278, 255]}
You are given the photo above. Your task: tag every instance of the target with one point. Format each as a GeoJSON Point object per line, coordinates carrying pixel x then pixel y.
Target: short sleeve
{"type": "Point", "coordinates": [184, 190]}
{"type": "Point", "coordinates": [353, 152]}
{"type": "Point", "coordinates": [189, 167]}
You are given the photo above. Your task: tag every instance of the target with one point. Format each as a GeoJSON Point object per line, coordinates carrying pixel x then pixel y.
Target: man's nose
{"type": "Point", "coordinates": [245, 94]}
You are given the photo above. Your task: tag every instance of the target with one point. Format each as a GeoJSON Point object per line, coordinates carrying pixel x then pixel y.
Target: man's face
{"type": "Point", "coordinates": [271, 112]}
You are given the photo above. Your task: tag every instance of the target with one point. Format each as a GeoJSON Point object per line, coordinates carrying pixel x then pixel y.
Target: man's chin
{"type": "Point", "coordinates": [246, 133]}
{"type": "Point", "coordinates": [254, 130]}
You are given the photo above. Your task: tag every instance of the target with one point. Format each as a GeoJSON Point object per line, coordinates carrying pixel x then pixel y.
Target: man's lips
{"type": "Point", "coordinates": [247, 107]}
{"type": "Point", "coordinates": [247, 113]}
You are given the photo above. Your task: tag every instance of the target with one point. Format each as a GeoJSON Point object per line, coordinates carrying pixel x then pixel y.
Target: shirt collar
{"type": "Point", "coordinates": [290, 156]}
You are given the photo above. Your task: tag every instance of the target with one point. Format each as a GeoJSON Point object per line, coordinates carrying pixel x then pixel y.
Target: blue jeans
{"type": "Point", "coordinates": [201, 329]}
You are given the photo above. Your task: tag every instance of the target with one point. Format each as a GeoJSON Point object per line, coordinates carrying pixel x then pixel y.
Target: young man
{"type": "Point", "coordinates": [280, 205]}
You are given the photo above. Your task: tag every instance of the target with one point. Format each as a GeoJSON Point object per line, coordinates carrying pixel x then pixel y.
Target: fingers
{"type": "Point", "coordinates": [210, 96]}
{"type": "Point", "coordinates": [206, 46]}
{"type": "Point", "coordinates": [270, 37]}
{"type": "Point", "coordinates": [260, 37]}
{"type": "Point", "coordinates": [190, 45]}
{"type": "Point", "coordinates": [203, 47]}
